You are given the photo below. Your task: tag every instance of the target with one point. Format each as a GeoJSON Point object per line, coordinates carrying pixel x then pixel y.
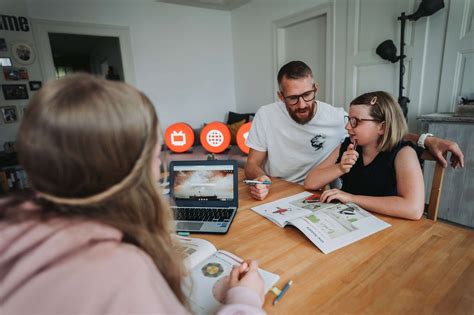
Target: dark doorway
{"type": "Point", "coordinates": [98, 55]}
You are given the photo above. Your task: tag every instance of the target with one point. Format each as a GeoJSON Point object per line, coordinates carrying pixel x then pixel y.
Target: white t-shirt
{"type": "Point", "coordinates": [294, 149]}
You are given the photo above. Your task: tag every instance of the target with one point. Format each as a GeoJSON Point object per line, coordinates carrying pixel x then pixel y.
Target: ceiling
{"type": "Point", "coordinates": [226, 5]}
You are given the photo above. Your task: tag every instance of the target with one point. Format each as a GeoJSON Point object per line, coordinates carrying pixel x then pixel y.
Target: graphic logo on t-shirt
{"type": "Point", "coordinates": [318, 142]}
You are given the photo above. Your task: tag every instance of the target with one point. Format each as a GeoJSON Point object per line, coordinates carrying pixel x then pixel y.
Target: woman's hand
{"type": "Point", "coordinates": [336, 194]}
{"type": "Point", "coordinates": [348, 159]}
{"type": "Point", "coordinates": [246, 275]}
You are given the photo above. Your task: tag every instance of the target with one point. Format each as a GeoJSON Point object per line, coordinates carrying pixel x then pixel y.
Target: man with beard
{"type": "Point", "coordinates": [288, 138]}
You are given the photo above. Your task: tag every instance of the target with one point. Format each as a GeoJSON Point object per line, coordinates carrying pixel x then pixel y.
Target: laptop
{"type": "Point", "coordinates": [205, 194]}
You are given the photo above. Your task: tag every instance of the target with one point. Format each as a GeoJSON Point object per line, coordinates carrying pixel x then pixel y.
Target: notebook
{"type": "Point", "coordinates": [205, 195]}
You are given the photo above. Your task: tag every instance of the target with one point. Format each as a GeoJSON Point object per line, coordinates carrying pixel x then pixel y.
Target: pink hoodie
{"type": "Point", "coordinates": [70, 267]}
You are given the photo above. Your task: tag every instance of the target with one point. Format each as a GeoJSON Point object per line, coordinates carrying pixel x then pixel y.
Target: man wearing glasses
{"type": "Point", "coordinates": [288, 138]}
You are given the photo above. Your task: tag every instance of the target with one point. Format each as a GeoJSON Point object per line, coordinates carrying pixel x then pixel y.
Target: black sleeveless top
{"type": "Point", "coordinates": [378, 178]}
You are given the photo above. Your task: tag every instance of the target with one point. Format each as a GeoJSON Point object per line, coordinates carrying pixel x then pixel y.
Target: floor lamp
{"type": "Point", "coordinates": [387, 50]}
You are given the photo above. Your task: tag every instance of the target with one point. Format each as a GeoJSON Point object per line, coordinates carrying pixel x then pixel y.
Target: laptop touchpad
{"type": "Point", "coordinates": [188, 226]}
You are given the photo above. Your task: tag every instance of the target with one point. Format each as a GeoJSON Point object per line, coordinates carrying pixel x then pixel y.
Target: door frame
{"type": "Point", "coordinates": [41, 29]}
{"type": "Point", "coordinates": [279, 44]}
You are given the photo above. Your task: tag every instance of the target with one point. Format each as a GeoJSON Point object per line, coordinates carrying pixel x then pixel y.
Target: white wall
{"type": "Point", "coordinates": [359, 26]}
{"type": "Point", "coordinates": [16, 8]}
{"type": "Point", "coordinates": [182, 56]}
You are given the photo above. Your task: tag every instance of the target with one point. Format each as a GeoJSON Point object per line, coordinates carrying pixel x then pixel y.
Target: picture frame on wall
{"type": "Point", "coordinates": [23, 53]}
{"type": "Point", "coordinates": [5, 62]}
{"type": "Point", "coordinates": [15, 74]}
{"type": "Point", "coordinates": [3, 45]}
{"type": "Point", "coordinates": [15, 91]}
{"type": "Point", "coordinates": [9, 114]}
{"type": "Point", "coordinates": [35, 85]}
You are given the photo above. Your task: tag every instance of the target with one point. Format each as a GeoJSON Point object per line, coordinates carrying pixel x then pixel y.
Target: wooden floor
{"type": "Point", "coordinates": [418, 267]}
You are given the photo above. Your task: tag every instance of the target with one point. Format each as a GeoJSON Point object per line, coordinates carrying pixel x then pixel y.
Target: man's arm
{"type": "Point", "coordinates": [439, 148]}
{"type": "Point", "coordinates": [254, 170]}
{"type": "Point", "coordinates": [253, 166]}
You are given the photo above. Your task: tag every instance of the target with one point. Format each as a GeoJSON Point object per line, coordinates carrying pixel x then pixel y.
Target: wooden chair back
{"type": "Point", "coordinates": [432, 206]}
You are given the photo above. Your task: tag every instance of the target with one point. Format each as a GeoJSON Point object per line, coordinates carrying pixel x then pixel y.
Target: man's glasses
{"type": "Point", "coordinates": [306, 96]}
{"type": "Point", "coordinates": [356, 121]}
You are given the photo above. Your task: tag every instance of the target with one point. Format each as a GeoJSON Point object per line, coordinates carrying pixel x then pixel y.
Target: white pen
{"type": "Point", "coordinates": [255, 182]}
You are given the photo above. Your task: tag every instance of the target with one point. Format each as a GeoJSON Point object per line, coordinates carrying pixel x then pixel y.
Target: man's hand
{"type": "Point", "coordinates": [439, 148]}
{"type": "Point", "coordinates": [260, 191]}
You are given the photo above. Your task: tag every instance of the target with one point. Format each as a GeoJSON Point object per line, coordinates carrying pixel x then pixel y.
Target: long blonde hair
{"type": "Point", "coordinates": [87, 145]}
{"type": "Point", "coordinates": [384, 108]}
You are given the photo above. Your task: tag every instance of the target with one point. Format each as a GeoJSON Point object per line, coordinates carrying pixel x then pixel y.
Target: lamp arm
{"type": "Point", "coordinates": [402, 100]}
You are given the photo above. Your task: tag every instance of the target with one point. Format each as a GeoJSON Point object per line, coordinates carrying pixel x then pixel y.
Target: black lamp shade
{"type": "Point", "coordinates": [387, 50]}
{"type": "Point", "coordinates": [427, 8]}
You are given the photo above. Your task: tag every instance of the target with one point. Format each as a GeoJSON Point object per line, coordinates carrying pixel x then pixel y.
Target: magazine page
{"type": "Point", "coordinates": [208, 282]}
{"type": "Point", "coordinates": [195, 250]}
{"type": "Point", "coordinates": [283, 210]}
{"type": "Point", "coordinates": [338, 225]}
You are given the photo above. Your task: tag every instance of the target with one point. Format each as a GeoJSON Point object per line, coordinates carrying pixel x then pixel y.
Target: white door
{"type": "Point", "coordinates": [305, 37]}
{"type": "Point", "coordinates": [457, 76]}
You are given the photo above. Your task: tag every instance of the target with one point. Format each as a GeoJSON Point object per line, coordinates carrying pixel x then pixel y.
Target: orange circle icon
{"type": "Point", "coordinates": [179, 137]}
{"type": "Point", "coordinates": [215, 137]}
{"type": "Point", "coordinates": [241, 137]}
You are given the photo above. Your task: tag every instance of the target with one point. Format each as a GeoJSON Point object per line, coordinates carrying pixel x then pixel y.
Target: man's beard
{"type": "Point", "coordinates": [302, 121]}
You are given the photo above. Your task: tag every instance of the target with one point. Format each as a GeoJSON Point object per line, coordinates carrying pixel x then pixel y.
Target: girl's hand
{"type": "Point", "coordinates": [348, 159]}
{"type": "Point", "coordinates": [246, 275]}
{"type": "Point", "coordinates": [336, 194]}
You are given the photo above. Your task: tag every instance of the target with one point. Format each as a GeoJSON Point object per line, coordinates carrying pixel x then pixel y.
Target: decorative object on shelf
{"type": "Point", "coordinates": [3, 45]}
{"type": "Point", "coordinates": [35, 85]}
{"type": "Point", "coordinates": [23, 53]}
{"type": "Point", "coordinates": [15, 74]}
{"type": "Point", "coordinates": [9, 114]}
{"type": "Point", "coordinates": [387, 50]}
{"type": "Point", "coordinates": [15, 91]}
{"type": "Point", "coordinates": [465, 107]}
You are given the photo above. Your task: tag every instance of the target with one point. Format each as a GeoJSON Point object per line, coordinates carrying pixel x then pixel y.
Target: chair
{"type": "Point", "coordinates": [431, 208]}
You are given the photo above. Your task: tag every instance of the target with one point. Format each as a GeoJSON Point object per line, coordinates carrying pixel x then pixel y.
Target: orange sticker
{"type": "Point", "coordinates": [179, 137]}
{"type": "Point", "coordinates": [241, 137]}
{"type": "Point", "coordinates": [215, 137]}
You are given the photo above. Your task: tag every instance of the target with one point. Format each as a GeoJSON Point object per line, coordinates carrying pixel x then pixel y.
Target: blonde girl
{"type": "Point", "coordinates": [379, 171]}
{"type": "Point", "coordinates": [95, 236]}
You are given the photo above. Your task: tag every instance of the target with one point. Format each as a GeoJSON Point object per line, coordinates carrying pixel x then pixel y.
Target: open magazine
{"type": "Point", "coordinates": [207, 284]}
{"type": "Point", "coordinates": [329, 226]}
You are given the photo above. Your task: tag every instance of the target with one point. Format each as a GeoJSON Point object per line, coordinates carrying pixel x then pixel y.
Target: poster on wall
{"type": "Point", "coordinates": [15, 74]}
{"type": "Point", "coordinates": [9, 114]}
{"type": "Point", "coordinates": [15, 91]}
{"type": "Point", "coordinates": [23, 53]}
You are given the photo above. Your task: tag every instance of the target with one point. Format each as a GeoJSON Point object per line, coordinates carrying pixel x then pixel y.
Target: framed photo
{"type": "Point", "coordinates": [35, 85]}
{"type": "Point", "coordinates": [5, 62]}
{"type": "Point", "coordinates": [14, 74]}
{"type": "Point", "coordinates": [15, 91]}
{"type": "Point", "coordinates": [9, 114]}
{"type": "Point", "coordinates": [3, 45]}
{"type": "Point", "coordinates": [23, 53]}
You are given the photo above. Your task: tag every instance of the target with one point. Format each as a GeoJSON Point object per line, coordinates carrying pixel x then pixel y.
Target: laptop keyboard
{"type": "Point", "coordinates": [203, 214]}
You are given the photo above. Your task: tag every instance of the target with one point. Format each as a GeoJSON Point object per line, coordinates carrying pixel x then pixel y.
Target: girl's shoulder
{"type": "Point", "coordinates": [403, 145]}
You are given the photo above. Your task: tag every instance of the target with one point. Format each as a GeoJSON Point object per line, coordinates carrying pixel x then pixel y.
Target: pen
{"type": "Point", "coordinates": [255, 182]}
{"type": "Point", "coordinates": [283, 291]}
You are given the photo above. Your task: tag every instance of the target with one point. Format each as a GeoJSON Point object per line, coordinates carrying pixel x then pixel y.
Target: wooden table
{"type": "Point", "coordinates": [413, 267]}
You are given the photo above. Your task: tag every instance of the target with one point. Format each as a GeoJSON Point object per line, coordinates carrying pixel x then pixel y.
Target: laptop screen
{"type": "Point", "coordinates": [203, 182]}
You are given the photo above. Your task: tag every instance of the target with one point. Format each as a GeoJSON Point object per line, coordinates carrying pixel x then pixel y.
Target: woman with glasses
{"type": "Point", "coordinates": [380, 172]}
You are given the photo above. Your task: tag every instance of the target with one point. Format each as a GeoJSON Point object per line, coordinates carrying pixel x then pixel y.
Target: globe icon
{"type": "Point", "coordinates": [215, 138]}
